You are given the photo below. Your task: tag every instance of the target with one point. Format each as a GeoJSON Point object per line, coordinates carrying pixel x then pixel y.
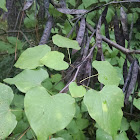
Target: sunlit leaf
{"type": "Point", "coordinates": [54, 60]}
{"type": "Point", "coordinates": [30, 58]}
{"type": "Point", "coordinates": [28, 79]}
{"type": "Point", "coordinates": [102, 135]}
{"type": "Point", "coordinates": [65, 42]}
{"type": "Point", "coordinates": [76, 91]}
{"type": "Point", "coordinates": [105, 107]}
{"type": "Point", "coordinates": [107, 74]}
{"type": "Point", "coordinates": [48, 114]}
{"type": "Point", "coordinates": [7, 119]}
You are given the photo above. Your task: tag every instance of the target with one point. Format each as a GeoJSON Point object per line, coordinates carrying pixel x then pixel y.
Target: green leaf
{"type": "Point", "coordinates": [135, 126]}
{"type": "Point", "coordinates": [72, 2]}
{"type": "Point", "coordinates": [105, 107]}
{"type": "Point", "coordinates": [56, 78]}
{"type": "Point", "coordinates": [59, 86]}
{"type": "Point", "coordinates": [15, 42]}
{"type": "Point", "coordinates": [18, 112]}
{"type": "Point", "coordinates": [6, 47]}
{"type": "Point", "coordinates": [64, 134]}
{"type": "Point", "coordinates": [79, 136]}
{"type": "Point", "coordinates": [72, 127]}
{"type": "Point", "coordinates": [87, 3]}
{"type": "Point", "coordinates": [30, 58]}
{"type": "Point", "coordinates": [76, 91]}
{"type": "Point", "coordinates": [65, 42]}
{"type": "Point", "coordinates": [137, 103]}
{"type": "Point", "coordinates": [30, 21]}
{"type": "Point", "coordinates": [28, 79]}
{"type": "Point", "coordinates": [138, 137]}
{"type": "Point", "coordinates": [48, 114]}
{"type": "Point", "coordinates": [7, 119]}
{"type": "Point", "coordinates": [102, 135]}
{"type": "Point", "coordinates": [110, 14]}
{"type": "Point", "coordinates": [54, 60]}
{"type": "Point", "coordinates": [121, 136]}
{"type": "Point", "coordinates": [47, 84]}
{"type": "Point", "coordinates": [18, 100]}
{"type": "Point", "coordinates": [3, 5]}
{"type": "Point", "coordinates": [82, 123]}
{"type": "Point", "coordinates": [107, 74]}
{"type": "Point", "coordinates": [21, 127]}
{"type": "Point", "coordinates": [124, 125]}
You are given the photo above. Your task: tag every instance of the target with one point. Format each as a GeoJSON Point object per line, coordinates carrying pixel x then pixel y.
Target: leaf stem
{"type": "Point", "coordinates": [88, 77]}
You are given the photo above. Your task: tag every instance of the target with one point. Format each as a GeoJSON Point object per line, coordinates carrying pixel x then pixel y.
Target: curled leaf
{"type": "Point", "coordinates": [81, 31]}
{"type": "Point", "coordinates": [47, 31]}
{"type": "Point", "coordinates": [28, 4]}
{"type": "Point", "coordinates": [72, 11]}
{"type": "Point", "coordinates": [131, 79]}
{"type": "Point", "coordinates": [124, 23]}
{"type": "Point", "coordinates": [99, 39]}
{"type": "Point", "coordinates": [119, 37]}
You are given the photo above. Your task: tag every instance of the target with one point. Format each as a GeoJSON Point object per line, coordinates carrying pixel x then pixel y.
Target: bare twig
{"type": "Point", "coordinates": [74, 78]}
{"type": "Point", "coordinates": [122, 49]}
{"type": "Point", "coordinates": [112, 2]}
{"type": "Point", "coordinates": [19, 31]}
{"type": "Point", "coordinates": [78, 68]}
{"type": "Point", "coordinates": [117, 46]}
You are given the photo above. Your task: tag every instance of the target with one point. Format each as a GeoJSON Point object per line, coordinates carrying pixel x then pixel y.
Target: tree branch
{"type": "Point", "coordinates": [115, 45]}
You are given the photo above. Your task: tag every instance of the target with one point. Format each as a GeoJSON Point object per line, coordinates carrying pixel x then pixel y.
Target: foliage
{"type": "Point", "coordinates": [76, 85]}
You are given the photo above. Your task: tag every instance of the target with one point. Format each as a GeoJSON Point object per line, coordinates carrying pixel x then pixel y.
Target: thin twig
{"type": "Point", "coordinates": [101, 6]}
{"type": "Point", "coordinates": [15, 31]}
{"type": "Point", "coordinates": [78, 68]}
{"type": "Point", "coordinates": [122, 49]}
{"type": "Point", "coordinates": [24, 133]}
{"type": "Point", "coordinates": [74, 78]}
{"type": "Point", "coordinates": [117, 46]}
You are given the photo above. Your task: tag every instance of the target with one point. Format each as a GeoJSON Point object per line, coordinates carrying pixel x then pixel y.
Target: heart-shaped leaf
{"type": "Point", "coordinates": [48, 114]}
{"type": "Point", "coordinates": [105, 107]}
{"type": "Point", "coordinates": [65, 42]}
{"type": "Point", "coordinates": [28, 79]}
{"type": "Point", "coordinates": [7, 119]}
{"type": "Point", "coordinates": [54, 60]}
{"type": "Point", "coordinates": [76, 91]}
{"type": "Point", "coordinates": [30, 58]}
{"type": "Point", "coordinates": [107, 74]}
